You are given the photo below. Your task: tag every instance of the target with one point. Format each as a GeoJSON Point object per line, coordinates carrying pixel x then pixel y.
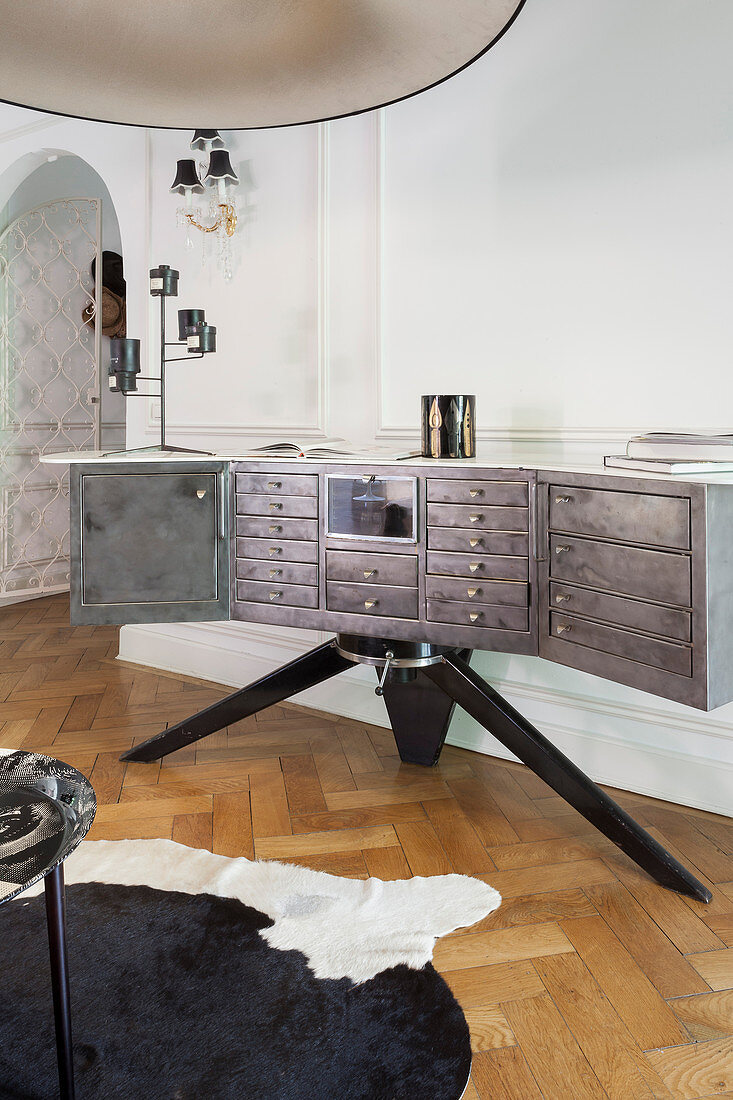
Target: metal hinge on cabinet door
{"type": "Point", "coordinates": [540, 509]}
{"type": "Point", "coordinates": [222, 505]}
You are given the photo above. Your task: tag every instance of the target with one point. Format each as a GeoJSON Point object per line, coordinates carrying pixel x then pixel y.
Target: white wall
{"type": "Point", "coordinates": [551, 230]}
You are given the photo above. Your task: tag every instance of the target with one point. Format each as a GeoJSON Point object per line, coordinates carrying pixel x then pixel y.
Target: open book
{"type": "Point", "coordinates": [331, 448]}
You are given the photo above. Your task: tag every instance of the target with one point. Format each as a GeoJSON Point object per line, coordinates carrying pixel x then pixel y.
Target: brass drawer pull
{"type": "Point", "coordinates": [563, 500]}
{"type": "Point", "coordinates": [471, 592]}
{"type": "Point", "coordinates": [369, 573]}
{"type": "Point", "coordinates": [561, 599]}
{"type": "Point", "coordinates": [273, 550]}
{"type": "Point", "coordinates": [564, 628]}
{"type": "Point", "coordinates": [275, 595]}
{"type": "Point", "coordinates": [476, 517]}
{"type": "Point", "coordinates": [274, 485]}
{"type": "Point", "coordinates": [276, 572]}
{"type": "Point", "coordinates": [474, 615]}
{"type": "Point", "coordinates": [474, 565]}
{"type": "Point", "coordinates": [201, 493]}
{"type": "Point", "coordinates": [369, 604]}
{"type": "Point", "coordinates": [275, 506]}
{"type": "Point", "coordinates": [473, 543]}
{"type": "Point", "coordinates": [475, 492]}
{"type": "Point", "coordinates": [562, 549]}
{"type": "Point", "coordinates": [274, 528]}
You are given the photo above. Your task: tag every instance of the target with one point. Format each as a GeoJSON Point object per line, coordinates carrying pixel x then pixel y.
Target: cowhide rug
{"type": "Point", "coordinates": [199, 977]}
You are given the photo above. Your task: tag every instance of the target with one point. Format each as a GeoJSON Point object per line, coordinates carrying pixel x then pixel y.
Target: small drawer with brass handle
{"type": "Point", "coordinates": [671, 656]}
{"type": "Point", "coordinates": [488, 566]}
{"type": "Point", "coordinates": [296, 485]}
{"type": "Point", "coordinates": [278, 550]}
{"type": "Point", "coordinates": [376, 568]}
{"type": "Point", "coordinates": [282, 527]}
{"type": "Point", "coordinates": [254, 569]}
{"type": "Point", "coordinates": [512, 593]}
{"type": "Point", "coordinates": [482, 542]}
{"type": "Point", "coordinates": [652, 618]}
{"type": "Point", "coordinates": [485, 517]}
{"type": "Point", "coordinates": [369, 599]}
{"type": "Point", "coordinates": [290, 595]}
{"type": "Point", "coordinates": [459, 491]}
{"type": "Point", "coordinates": [486, 616]}
{"type": "Point", "coordinates": [260, 504]}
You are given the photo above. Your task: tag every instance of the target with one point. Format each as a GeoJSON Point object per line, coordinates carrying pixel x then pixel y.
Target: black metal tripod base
{"type": "Point", "coordinates": [419, 714]}
{"type": "Point", "coordinates": [420, 711]}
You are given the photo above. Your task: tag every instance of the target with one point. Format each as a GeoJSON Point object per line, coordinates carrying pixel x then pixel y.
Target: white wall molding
{"type": "Point", "coordinates": [380, 353]}
{"type": "Point", "coordinates": [548, 434]}
{"type": "Point", "coordinates": [44, 122]}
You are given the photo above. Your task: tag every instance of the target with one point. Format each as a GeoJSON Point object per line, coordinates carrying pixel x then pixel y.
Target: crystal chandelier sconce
{"type": "Point", "coordinates": [220, 221]}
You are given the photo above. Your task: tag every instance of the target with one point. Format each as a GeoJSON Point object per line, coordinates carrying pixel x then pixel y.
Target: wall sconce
{"type": "Point", "coordinates": [222, 209]}
{"type": "Point", "coordinates": [124, 362]}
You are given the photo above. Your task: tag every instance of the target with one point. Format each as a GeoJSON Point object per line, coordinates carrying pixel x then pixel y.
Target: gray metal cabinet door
{"type": "Point", "coordinates": [149, 543]}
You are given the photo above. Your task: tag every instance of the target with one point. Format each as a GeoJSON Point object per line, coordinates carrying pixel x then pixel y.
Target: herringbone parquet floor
{"type": "Point", "coordinates": [589, 982]}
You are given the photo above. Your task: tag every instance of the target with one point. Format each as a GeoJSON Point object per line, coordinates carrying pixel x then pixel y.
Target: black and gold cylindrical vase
{"type": "Point", "coordinates": [449, 425]}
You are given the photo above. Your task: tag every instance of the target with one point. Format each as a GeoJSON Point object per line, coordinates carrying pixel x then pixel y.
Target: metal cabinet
{"type": "Point", "coordinates": [150, 542]}
{"type": "Point", "coordinates": [636, 582]}
{"type": "Point", "coordinates": [627, 578]}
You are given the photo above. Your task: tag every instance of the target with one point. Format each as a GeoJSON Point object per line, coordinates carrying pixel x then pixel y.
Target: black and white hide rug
{"type": "Point", "coordinates": [199, 977]}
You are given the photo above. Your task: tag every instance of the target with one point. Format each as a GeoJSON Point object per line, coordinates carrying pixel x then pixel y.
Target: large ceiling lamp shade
{"type": "Point", "coordinates": [236, 64]}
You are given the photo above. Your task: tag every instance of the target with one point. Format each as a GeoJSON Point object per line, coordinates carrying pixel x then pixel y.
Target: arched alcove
{"type": "Point", "coordinates": [57, 220]}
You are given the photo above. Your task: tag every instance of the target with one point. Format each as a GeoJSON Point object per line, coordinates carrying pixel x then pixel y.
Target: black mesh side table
{"type": "Point", "coordinates": [46, 810]}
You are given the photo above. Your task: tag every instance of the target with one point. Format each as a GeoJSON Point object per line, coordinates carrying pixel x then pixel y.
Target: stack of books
{"type": "Point", "coordinates": [670, 453]}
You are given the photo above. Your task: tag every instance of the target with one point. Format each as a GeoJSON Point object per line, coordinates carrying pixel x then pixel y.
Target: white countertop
{"type": "Point", "coordinates": [486, 458]}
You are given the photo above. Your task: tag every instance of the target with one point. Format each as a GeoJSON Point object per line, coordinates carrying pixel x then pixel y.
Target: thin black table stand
{"type": "Point", "coordinates": [421, 684]}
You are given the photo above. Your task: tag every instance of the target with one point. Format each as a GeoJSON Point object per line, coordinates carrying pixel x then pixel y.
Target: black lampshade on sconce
{"type": "Point", "coordinates": [207, 139]}
{"type": "Point", "coordinates": [220, 167]}
{"type": "Point", "coordinates": [187, 179]}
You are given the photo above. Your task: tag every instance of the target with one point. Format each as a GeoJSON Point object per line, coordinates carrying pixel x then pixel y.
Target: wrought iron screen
{"type": "Point", "coordinates": [49, 384]}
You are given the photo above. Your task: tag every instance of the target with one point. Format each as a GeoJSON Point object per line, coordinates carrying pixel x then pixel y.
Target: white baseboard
{"type": "Point", "coordinates": [617, 735]}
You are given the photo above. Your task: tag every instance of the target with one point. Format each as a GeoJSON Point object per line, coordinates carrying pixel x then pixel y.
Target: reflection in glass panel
{"type": "Point", "coordinates": [372, 507]}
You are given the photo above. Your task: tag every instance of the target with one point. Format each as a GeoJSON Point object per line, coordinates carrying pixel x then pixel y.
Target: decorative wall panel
{"type": "Point", "coordinates": [49, 384]}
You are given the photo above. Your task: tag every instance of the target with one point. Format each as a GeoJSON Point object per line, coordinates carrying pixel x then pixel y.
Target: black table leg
{"type": "Point", "coordinates": [484, 704]}
{"type": "Point", "coordinates": [56, 921]}
{"type": "Point", "coordinates": [419, 714]}
{"type": "Point", "coordinates": [312, 668]}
